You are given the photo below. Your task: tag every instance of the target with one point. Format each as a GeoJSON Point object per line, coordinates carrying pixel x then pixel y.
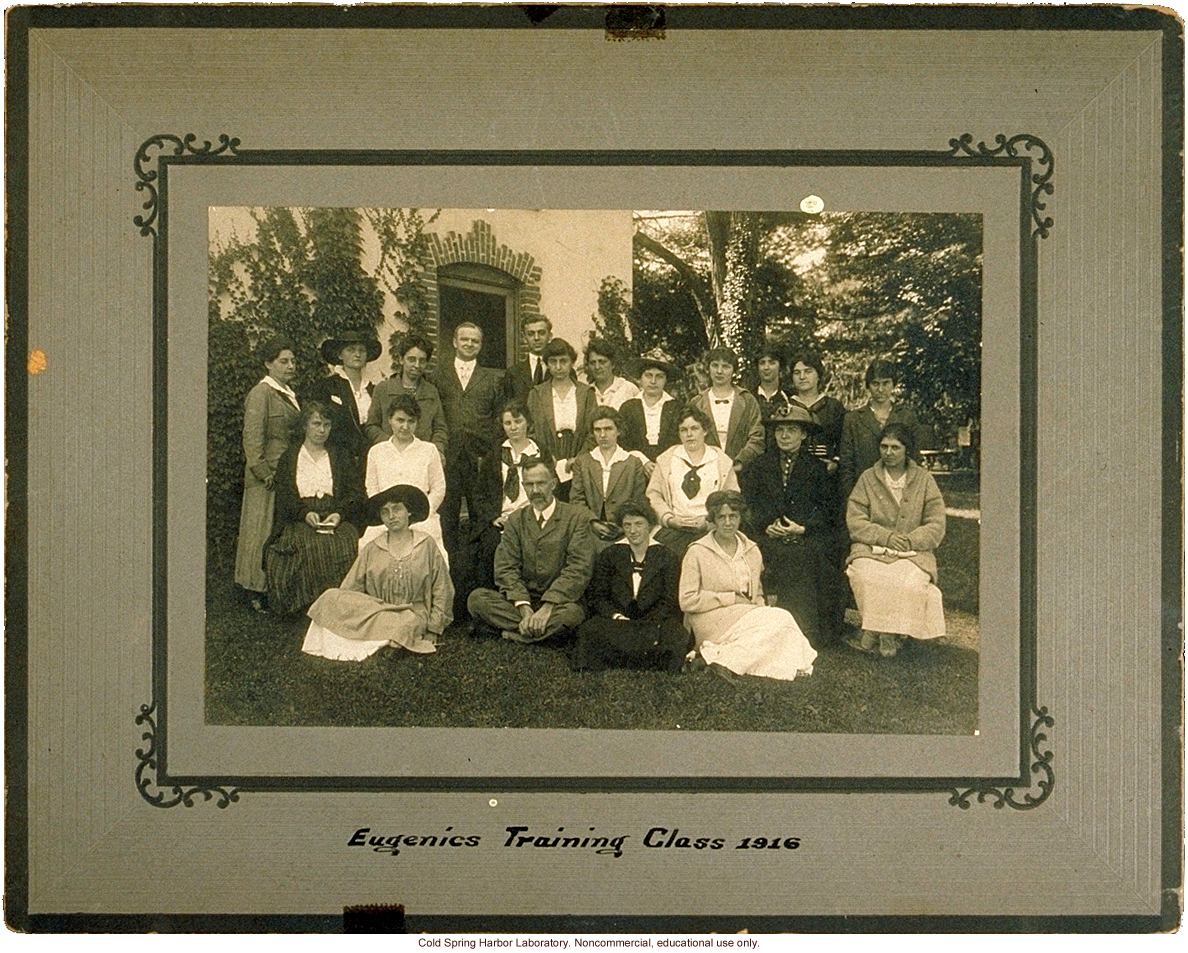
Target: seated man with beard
{"type": "Point", "coordinates": [542, 565]}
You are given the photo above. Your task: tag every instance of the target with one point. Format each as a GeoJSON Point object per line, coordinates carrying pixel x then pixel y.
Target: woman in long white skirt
{"type": "Point", "coordinates": [722, 597]}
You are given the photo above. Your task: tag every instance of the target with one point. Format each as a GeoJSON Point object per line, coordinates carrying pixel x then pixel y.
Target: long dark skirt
{"type": "Point", "coordinates": [608, 643]}
{"type": "Point", "coordinates": [806, 582]}
{"type": "Point", "coordinates": [302, 563]}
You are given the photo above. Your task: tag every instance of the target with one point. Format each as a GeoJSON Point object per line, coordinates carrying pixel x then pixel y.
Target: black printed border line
{"type": "Point", "coordinates": [1036, 165]}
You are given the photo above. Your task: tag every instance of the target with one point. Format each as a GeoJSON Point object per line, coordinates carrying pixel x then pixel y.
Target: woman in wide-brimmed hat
{"type": "Point", "coordinates": [794, 522]}
{"type": "Point", "coordinates": [398, 592]}
{"type": "Point", "coordinates": [346, 393]}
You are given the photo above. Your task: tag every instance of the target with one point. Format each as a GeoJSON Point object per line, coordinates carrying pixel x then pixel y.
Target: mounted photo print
{"type": "Point", "coordinates": [585, 472]}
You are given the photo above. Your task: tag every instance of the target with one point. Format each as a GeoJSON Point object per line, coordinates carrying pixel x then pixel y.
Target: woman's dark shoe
{"type": "Point", "coordinates": [865, 642]}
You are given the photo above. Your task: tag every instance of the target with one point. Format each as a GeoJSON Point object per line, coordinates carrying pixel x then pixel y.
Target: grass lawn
{"type": "Point", "coordinates": [256, 674]}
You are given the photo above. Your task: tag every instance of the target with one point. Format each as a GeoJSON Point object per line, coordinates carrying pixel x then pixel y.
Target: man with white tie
{"type": "Point", "coordinates": [470, 395]}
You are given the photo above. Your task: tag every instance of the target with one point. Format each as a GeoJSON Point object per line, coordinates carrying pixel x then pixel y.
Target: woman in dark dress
{"type": "Point", "coordinates": [562, 411]}
{"type": "Point", "coordinates": [314, 540]}
{"type": "Point", "coordinates": [650, 420]}
{"type": "Point", "coordinates": [632, 601]}
{"type": "Point", "coordinates": [499, 492]}
{"type": "Point", "coordinates": [809, 378]}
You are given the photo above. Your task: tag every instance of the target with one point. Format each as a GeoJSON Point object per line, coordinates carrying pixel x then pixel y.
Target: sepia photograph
{"type": "Point", "coordinates": [477, 367]}
{"type": "Point", "coordinates": [559, 470]}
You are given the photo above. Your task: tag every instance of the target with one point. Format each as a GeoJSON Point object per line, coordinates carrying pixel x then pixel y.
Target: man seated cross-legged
{"type": "Point", "coordinates": [542, 565]}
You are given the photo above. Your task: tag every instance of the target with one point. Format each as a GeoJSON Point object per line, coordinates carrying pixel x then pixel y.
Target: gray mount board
{"type": "Point", "coordinates": [1096, 540]}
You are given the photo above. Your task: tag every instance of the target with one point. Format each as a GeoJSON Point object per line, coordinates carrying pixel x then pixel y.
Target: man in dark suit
{"type": "Point", "coordinates": [542, 565]}
{"type": "Point", "coordinates": [789, 493]}
{"type": "Point", "coordinates": [470, 397]}
{"type": "Point", "coordinates": [522, 377]}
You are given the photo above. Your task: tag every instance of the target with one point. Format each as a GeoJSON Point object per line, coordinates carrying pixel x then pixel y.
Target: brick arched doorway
{"type": "Point", "coordinates": [471, 278]}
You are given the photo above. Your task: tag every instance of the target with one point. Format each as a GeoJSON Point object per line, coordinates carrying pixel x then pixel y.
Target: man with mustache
{"type": "Point", "coordinates": [542, 566]}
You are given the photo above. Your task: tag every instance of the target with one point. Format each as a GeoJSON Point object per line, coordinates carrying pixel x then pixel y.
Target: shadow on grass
{"type": "Point", "coordinates": [256, 674]}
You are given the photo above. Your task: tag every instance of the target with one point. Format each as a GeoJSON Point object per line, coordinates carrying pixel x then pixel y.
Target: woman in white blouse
{"type": "Point", "coordinates": [602, 359]}
{"type": "Point", "coordinates": [562, 410]}
{"type": "Point", "coordinates": [405, 459]}
{"type": "Point", "coordinates": [684, 477]}
{"type": "Point", "coordinates": [314, 539]}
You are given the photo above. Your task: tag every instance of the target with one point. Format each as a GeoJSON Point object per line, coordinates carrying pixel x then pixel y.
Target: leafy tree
{"type": "Point", "coordinates": [401, 236]}
{"type": "Point", "coordinates": [303, 275]}
{"type": "Point", "coordinates": [908, 286]}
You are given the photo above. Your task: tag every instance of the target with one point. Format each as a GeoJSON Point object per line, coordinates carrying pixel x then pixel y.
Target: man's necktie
{"type": "Point", "coordinates": [723, 400]}
{"type": "Point", "coordinates": [511, 486]}
{"type": "Point", "coordinates": [538, 374]}
{"type": "Point", "coordinates": [692, 482]}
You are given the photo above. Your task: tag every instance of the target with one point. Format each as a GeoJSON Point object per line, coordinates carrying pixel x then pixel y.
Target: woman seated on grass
{"type": "Point", "coordinates": [632, 600]}
{"type": "Point", "coordinates": [722, 597]}
{"type": "Point", "coordinates": [896, 518]}
{"type": "Point", "coordinates": [398, 592]}
{"type": "Point", "coordinates": [313, 540]}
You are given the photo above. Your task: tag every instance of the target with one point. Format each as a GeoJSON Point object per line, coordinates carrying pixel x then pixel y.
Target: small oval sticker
{"type": "Point", "coordinates": [812, 204]}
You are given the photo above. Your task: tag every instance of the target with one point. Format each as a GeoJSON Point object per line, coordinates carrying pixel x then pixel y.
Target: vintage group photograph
{"type": "Point", "coordinates": [675, 470]}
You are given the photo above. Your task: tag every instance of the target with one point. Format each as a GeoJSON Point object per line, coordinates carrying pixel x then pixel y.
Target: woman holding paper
{"type": "Point", "coordinates": [896, 519]}
{"type": "Point", "coordinates": [314, 540]}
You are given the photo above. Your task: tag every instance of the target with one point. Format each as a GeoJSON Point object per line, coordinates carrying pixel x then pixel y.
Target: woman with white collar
{"type": "Point", "coordinates": [405, 458]}
{"type": "Point", "coordinates": [270, 412]}
{"type": "Point", "coordinates": [722, 597]}
{"type": "Point", "coordinates": [499, 492]}
{"type": "Point", "coordinates": [650, 420]}
{"type": "Point", "coordinates": [684, 478]}
{"type": "Point", "coordinates": [606, 477]}
{"type": "Point", "coordinates": [602, 364]}
{"type": "Point", "coordinates": [632, 598]}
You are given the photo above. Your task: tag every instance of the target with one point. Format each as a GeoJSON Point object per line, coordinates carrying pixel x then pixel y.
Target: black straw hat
{"type": "Point", "coordinates": [415, 500]}
{"type": "Point", "coordinates": [332, 346]}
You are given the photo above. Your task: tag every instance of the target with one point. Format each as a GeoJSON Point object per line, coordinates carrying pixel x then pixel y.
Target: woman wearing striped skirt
{"type": "Point", "coordinates": [314, 540]}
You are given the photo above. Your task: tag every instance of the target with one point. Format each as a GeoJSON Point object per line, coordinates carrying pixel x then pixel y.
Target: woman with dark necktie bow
{"type": "Point", "coordinates": [632, 599]}
{"type": "Point", "coordinates": [499, 493]}
{"type": "Point", "coordinates": [684, 477]}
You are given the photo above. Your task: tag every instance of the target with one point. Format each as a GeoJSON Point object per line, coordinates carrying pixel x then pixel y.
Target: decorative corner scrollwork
{"type": "Point", "coordinates": [1042, 180]}
{"type": "Point", "coordinates": [1041, 766]}
{"type": "Point", "coordinates": [145, 781]}
{"type": "Point", "coordinates": [147, 177]}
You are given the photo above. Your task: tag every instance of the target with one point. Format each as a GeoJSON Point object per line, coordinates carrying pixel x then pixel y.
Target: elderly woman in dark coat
{"type": "Point", "coordinates": [632, 600]}
{"type": "Point", "coordinates": [791, 497]}
{"type": "Point", "coordinates": [318, 497]}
